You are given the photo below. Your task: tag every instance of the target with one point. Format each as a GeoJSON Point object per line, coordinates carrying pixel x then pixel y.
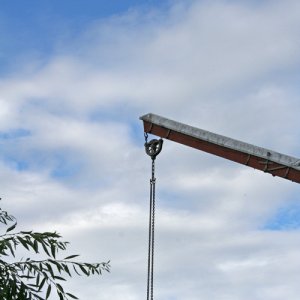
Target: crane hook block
{"type": "Point", "coordinates": [153, 148]}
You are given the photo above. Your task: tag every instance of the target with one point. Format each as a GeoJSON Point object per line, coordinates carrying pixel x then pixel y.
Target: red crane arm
{"type": "Point", "coordinates": [259, 158]}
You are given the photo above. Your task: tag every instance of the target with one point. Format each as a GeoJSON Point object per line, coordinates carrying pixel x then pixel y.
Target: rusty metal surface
{"type": "Point", "coordinates": [266, 160]}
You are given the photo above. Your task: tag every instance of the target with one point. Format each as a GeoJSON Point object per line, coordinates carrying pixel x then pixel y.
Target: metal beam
{"type": "Point", "coordinates": [259, 158]}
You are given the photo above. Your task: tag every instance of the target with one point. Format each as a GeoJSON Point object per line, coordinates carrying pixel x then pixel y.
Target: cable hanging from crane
{"type": "Point", "coordinates": [152, 148]}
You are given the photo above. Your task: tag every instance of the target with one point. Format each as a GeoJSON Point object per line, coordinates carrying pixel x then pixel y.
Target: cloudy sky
{"type": "Point", "coordinates": [75, 76]}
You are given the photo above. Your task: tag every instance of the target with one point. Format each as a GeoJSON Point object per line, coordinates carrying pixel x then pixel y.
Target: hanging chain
{"type": "Point", "coordinates": [152, 148]}
{"type": "Point", "coordinates": [151, 235]}
{"type": "Point", "coordinates": [146, 137]}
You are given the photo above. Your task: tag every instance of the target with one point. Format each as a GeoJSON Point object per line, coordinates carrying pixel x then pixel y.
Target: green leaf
{"type": "Point", "coordinates": [11, 249]}
{"type": "Point", "coordinates": [58, 265]}
{"type": "Point", "coordinates": [26, 276]}
{"type": "Point", "coordinates": [26, 232]}
{"type": "Point", "coordinates": [71, 256]}
{"type": "Point", "coordinates": [35, 246]}
{"type": "Point", "coordinates": [11, 228]}
{"type": "Point", "coordinates": [53, 250]}
{"type": "Point", "coordinates": [23, 242]}
{"type": "Point", "coordinates": [42, 283]}
{"type": "Point", "coordinates": [50, 269]}
{"type": "Point", "coordinates": [84, 270]}
{"type": "Point", "coordinates": [76, 271]}
{"type": "Point", "coordinates": [67, 270]}
{"type": "Point", "coordinates": [60, 287]}
{"type": "Point", "coordinates": [48, 291]}
{"type": "Point", "coordinates": [61, 297]}
{"type": "Point", "coordinates": [72, 296]}
{"type": "Point", "coordinates": [59, 278]}
{"type": "Point", "coordinates": [45, 248]}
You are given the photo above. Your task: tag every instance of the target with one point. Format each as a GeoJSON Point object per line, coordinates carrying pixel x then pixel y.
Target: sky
{"type": "Point", "coordinates": [75, 76]}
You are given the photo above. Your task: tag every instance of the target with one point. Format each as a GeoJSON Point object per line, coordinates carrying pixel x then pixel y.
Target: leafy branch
{"type": "Point", "coordinates": [30, 279]}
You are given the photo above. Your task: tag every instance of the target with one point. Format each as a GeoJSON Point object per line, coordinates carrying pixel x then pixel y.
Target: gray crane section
{"type": "Point", "coordinates": [223, 141]}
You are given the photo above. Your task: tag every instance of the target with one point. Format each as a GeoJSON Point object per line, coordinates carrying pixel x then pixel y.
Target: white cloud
{"type": "Point", "coordinates": [226, 67]}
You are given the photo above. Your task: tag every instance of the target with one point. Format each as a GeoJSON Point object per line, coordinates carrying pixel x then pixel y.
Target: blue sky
{"type": "Point", "coordinates": [39, 27]}
{"type": "Point", "coordinates": [75, 76]}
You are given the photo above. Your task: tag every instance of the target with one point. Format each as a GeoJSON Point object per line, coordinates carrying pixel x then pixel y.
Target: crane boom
{"type": "Point", "coordinates": [259, 158]}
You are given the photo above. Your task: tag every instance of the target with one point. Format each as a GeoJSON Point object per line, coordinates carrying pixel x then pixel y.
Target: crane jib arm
{"type": "Point", "coordinates": [259, 158]}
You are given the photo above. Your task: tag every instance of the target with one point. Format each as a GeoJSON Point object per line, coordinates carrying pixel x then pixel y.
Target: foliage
{"type": "Point", "coordinates": [31, 279]}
